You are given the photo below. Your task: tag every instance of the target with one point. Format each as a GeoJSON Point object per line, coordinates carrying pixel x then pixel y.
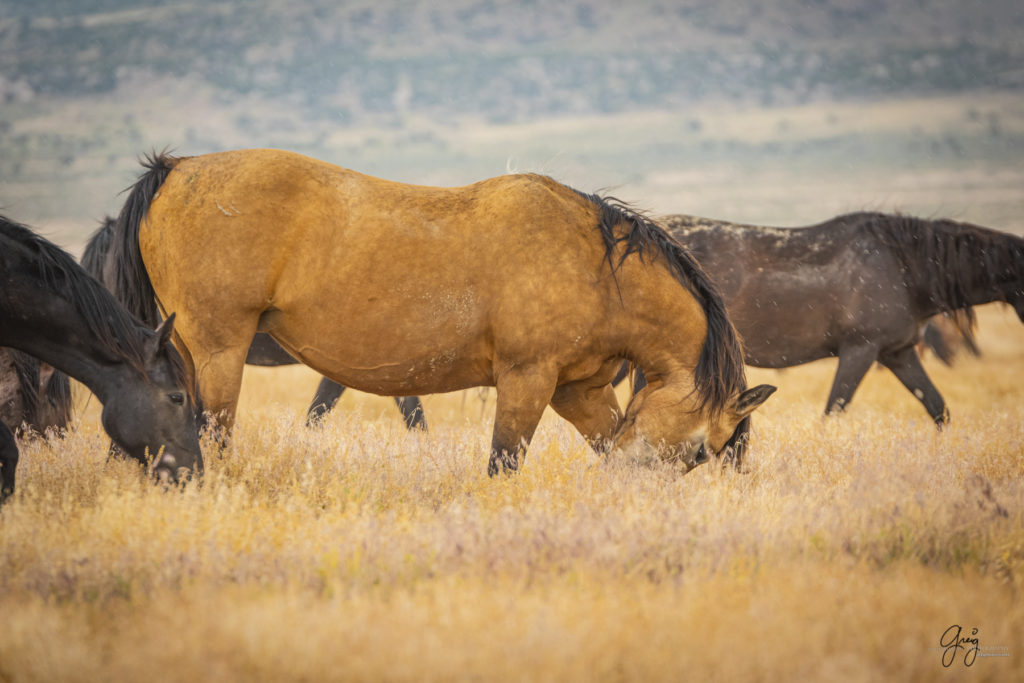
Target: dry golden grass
{"type": "Point", "coordinates": [359, 551]}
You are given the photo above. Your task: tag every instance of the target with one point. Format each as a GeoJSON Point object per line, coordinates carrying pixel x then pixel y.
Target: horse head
{"type": "Point", "coordinates": [152, 417]}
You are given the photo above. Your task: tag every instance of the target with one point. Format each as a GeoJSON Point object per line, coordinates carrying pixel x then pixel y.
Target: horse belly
{"type": "Point", "coordinates": [399, 346]}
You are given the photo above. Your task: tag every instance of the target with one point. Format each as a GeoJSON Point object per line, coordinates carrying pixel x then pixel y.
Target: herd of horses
{"type": "Point", "coordinates": [518, 282]}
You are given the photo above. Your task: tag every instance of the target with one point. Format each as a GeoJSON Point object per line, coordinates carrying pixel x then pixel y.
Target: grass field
{"type": "Point", "coordinates": [358, 551]}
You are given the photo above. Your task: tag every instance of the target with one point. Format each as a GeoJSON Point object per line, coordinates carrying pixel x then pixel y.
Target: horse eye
{"type": "Point", "coordinates": [177, 398]}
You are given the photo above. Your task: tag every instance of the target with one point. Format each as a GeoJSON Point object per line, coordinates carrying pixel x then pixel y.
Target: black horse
{"type": "Point", "coordinates": [51, 308]}
{"type": "Point", "coordinates": [264, 351]}
{"type": "Point", "coordinates": [859, 286]}
{"type": "Point", "coordinates": [33, 396]}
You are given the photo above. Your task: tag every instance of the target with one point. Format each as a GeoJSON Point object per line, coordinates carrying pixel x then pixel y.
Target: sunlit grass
{"type": "Point", "coordinates": [360, 551]}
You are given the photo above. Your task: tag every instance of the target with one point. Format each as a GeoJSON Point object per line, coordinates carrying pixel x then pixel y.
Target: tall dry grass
{"type": "Point", "coordinates": [359, 551]}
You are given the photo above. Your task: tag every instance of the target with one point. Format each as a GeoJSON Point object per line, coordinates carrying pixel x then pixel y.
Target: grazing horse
{"type": "Point", "coordinates": [52, 309]}
{"type": "Point", "coordinates": [33, 396]}
{"type": "Point", "coordinates": [264, 351]}
{"type": "Point", "coordinates": [859, 286]}
{"type": "Point", "coordinates": [516, 282]}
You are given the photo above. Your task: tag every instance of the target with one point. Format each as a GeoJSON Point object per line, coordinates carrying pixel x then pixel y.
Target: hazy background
{"type": "Point", "coordinates": [779, 112]}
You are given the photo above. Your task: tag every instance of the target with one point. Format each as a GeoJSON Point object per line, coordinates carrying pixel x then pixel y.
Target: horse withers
{"type": "Point", "coordinates": [516, 282]}
{"type": "Point", "coordinates": [53, 310]}
{"type": "Point", "coordinates": [859, 286]}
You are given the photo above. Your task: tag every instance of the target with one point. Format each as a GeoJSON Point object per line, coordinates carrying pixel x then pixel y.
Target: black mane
{"type": "Point", "coordinates": [132, 287]}
{"type": "Point", "coordinates": [94, 256]}
{"type": "Point", "coordinates": [120, 333]}
{"type": "Point", "coordinates": [719, 374]}
{"type": "Point", "coordinates": [946, 257]}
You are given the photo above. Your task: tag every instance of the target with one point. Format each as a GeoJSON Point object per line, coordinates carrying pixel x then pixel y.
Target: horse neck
{"type": "Point", "coordinates": [664, 334]}
{"type": "Point", "coordinates": [978, 267]}
{"type": "Point", "coordinates": [56, 333]}
{"type": "Point", "coordinates": [1002, 276]}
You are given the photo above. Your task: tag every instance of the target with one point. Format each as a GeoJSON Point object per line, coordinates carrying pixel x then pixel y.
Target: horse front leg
{"type": "Point", "coordinates": [523, 393]}
{"type": "Point", "coordinates": [854, 362]}
{"type": "Point", "coordinates": [906, 365]}
{"type": "Point", "coordinates": [591, 406]}
{"type": "Point", "coordinates": [412, 412]}
{"type": "Point", "coordinates": [8, 462]}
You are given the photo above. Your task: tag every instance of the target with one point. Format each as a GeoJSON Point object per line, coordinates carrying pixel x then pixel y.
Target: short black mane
{"type": "Point", "coordinates": [94, 256]}
{"type": "Point", "coordinates": [719, 374]}
{"type": "Point", "coordinates": [946, 257]}
{"type": "Point", "coordinates": [122, 334]}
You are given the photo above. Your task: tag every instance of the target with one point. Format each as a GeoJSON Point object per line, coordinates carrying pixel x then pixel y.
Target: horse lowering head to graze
{"type": "Point", "coordinates": [34, 397]}
{"type": "Point", "coordinates": [53, 310]}
{"type": "Point", "coordinates": [516, 282]}
{"type": "Point", "coordinates": [859, 286]}
{"type": "Point", "coordinates": [263, 351]}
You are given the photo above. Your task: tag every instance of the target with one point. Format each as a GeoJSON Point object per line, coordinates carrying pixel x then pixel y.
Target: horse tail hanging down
{"type": "Point", "coordinates": [132, 286]}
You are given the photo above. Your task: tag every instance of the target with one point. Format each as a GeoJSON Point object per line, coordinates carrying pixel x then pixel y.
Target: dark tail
{"type": "Point", "coordinates": [132, 286]}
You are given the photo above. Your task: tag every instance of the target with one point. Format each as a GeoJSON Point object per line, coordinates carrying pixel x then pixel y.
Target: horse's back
{"type": "Point", "coordinates": [796, 293]}
{"type": "Point", "coordinates": [371, 269]}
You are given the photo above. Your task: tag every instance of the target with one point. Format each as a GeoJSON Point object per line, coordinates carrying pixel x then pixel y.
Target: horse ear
{"type": "Point", "coordinates": [750, 399]}
{"type": "Point", "coordinates": [162, 335]}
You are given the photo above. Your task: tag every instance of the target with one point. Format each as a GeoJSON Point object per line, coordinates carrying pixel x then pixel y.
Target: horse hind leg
{"type": "Point", "coordinates": [523, 393]}
{"type": "Point", "coordinates": [906, 365]}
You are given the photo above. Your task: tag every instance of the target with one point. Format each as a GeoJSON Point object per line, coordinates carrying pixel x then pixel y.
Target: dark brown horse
{"type": "Point", "coordinates": [516, 282]}
{"type": "Point", "coordinates": [33, 396]}
{"type": "Point", "coordinates": [52, 309]}
{"type": "Point", "coordinates": [264, 351]}
{"type": "Point", "coordinates": [859, 286]}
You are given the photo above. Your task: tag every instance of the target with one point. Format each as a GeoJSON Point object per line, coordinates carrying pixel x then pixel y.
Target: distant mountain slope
{"type": "Point", "coordinates": [514, 60]}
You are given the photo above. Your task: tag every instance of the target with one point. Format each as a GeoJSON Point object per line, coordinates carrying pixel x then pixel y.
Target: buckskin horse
{"type": "Point", "coordinates": [264, 351]}
{"type": "Point", "coordinates": [858, 286]}
{"type": "Point", "coordinates": [53, 310]}
{"type": "Point", "coordinates": [517, 282]}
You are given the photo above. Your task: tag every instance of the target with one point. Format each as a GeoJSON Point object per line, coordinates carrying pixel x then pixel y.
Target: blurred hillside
{"type": "Point", "coordinates": [391, 87]}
